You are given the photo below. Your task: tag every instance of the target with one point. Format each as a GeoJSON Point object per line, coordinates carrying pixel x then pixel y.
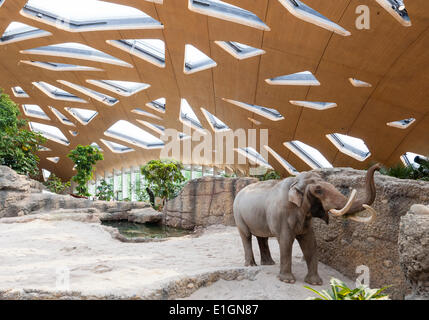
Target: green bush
{"type": "Point", "coordinates": [55, 184]}
{"type": "Point", "coordinates": [340, 291]}
{"type": "Point", "coordinates": [409, 172]}
{"type": "Point", "coordinates": [270, 175]}
{"type": "Point", "coordinates": [18, 146]}
{"type": "Point", "coordinates": [84, 157]}
{"type": "Point", "coordinates": [105, 191]}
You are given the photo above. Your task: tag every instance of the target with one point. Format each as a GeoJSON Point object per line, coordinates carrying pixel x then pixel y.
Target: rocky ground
{"type": "Point", "coordinates": [36, 252]}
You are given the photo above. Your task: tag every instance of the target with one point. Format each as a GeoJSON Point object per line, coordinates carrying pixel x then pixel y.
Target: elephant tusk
{"type": "Point", "coordinates": [364, 219]}
{"type": "Point", "coordinates": [343, 211]}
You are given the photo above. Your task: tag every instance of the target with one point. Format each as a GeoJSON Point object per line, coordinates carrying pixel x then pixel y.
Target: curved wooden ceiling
{"type": "Point", "coordinates": [391, 57]}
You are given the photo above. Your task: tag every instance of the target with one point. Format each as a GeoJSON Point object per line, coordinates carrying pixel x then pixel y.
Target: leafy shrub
{"type": "Point", "coordinates": [270, 175]}
{"type": "Point", "coordinates": [409, 172]}
{"type": "Point", "coordinates": [55, 184]}
{"type": "Point", "coordinates": [84, 157]}
{"type": "Point", "coordinates": [18, 146]}
{"type": "Point", "coordinates": [104, 191]}
{"type": "Point", "coordinates": [340, 291]}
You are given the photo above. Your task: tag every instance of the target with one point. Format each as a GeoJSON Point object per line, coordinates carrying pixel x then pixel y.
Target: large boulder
{"type": "Point", "coordinates": [205, 201]}
{"type": "Point", "coordinates": [345, 244]}
{"type": "Point", "coordinates": [414, 250]}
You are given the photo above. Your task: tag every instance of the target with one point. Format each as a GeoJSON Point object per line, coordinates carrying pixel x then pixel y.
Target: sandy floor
{"type": "Point", "coordinates": [35, 255]}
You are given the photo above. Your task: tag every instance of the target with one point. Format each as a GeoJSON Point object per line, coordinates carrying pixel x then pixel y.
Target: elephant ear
{"type": "Point", "coordinates": [296, 194]}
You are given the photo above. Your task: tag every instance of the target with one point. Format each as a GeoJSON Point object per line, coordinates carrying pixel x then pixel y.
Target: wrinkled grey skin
{"type": "Point", "coordinates": [284, 209]}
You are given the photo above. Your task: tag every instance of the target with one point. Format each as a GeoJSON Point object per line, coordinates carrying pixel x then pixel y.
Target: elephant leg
{"type": "Point", "coordinates": [246, 238]}
{"type": "Point", "coordinates": [308, 246]}
{"type": "Point", "coordinates": [265, 251]}
{"type": "Point", "coordinates": [286, 242]}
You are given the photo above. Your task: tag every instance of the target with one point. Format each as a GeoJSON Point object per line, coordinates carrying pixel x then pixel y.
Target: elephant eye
{"type": "Point", "coordinates": [318, 190]}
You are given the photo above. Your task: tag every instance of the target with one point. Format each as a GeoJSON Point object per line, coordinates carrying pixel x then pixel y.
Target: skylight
{"type": "Point", "coordinates": [49, 132]}
{"type": "Point", "coordinates": [43, 149]}
{"type": "Point", "coordinates": [95, 145]}
{"type": "Point", "coordinates": [123, 88]}
{"type": "Point", "coordinates": [225, 11]}
{"type": "Point", "coordinates": [195, 60]}
{"type": "Point", "coordinates": [157, 105]}
{"type": "Point", "coordinates": [84, 116]}
{"type": "Point", "coordinates": [126, 131]}
{"type": "Point", "coordinates": [353, 147]}
{"type": "Point", "coordinates": [55, 66]}
{"type": "Point", "coordinates": [314, 105]}
{"type": "Point", "coordinates": [161, 129]}
{"type": "Point", "coordinates": [215, 123]}
{"type": "Point", "coordinates": [88, 15]}
{"type": "Point", "coordinates": [18, 31]}
{"type": "Point", "coordinates": [151, 50]}
{"type": "Point", "coordinates": [271, 114]}
{"type": "Point", "coordinates": [308, 154]}
{"type": "Point", "coordinates": [359, 83]}
{"type": "Point", "coordinates": [254, 156]}
{"type": "Point", "coordinates": [412, 159]}
{"type": "Point", "coordinates": [53, 159]}
{"type": "Point", "coordinates": [141, 112]}
{"type": "Point", "coordinates": [238, 50]}
{"type": "Point", "coordinates": [76, 51]}
{"type": "Point", "coordinates": [188, 116]}
{"type": "Point", "coordinates": [289, 168]}
{"type": "Point", "coordinates": [63, 119]}
{"type": "Point", "coordinates": [73, 133]}
{"type": "Point", "coordinates": [305, 78]}
{"type": "Point", "coordinates": [396, 9]}
{"type": "Point", "coordinates": [19, 92]}
{"type": "Point", "coordinates": [402, 124]}
{"type": "Point", "coordinates": [116, 147]}
{"type": "Point", "coordinates": [304, 12]}
{"type": "Point", "coordinates": [45, 173]}
{"type": "Point", "coordinates": [57, 93]}
{"type": "Point", "coordinates": [32, 110]}
{"type": "Point", "coordinates": [103, 98]}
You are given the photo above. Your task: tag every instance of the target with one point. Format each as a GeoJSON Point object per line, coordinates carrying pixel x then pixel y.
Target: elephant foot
{"type": "Point", "coordinates": [250, 263]}
{"type": "Point", "coordinates": [267, 262]}
{"type": "Point", "coordinates": [313, 279]}
{"type": "Point", "coordinates": [287, 277]}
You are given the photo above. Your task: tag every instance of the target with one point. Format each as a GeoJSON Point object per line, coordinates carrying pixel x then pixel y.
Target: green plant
{"type": "Point", "coordinates": [104, 191]}
{"type": "Point", "coordinates": [55, 184]}
{"type": "Point", "coordinates": [18, 146]}
{"type": "Point", "coordinates": [409, 172]}
{"type": "Point", "coordinates": [270, 175]}
{"type": "Point", "coordinates": [340, 291]}
{"type": "Point", "coordinates": [84, 157]}
{"type": "Point", "coordinates": [164, 178]}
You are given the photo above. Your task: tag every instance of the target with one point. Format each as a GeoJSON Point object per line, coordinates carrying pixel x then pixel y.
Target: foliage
{"type": "Point", "coordinates": [163, 177]}
{"type": "Point", "coordinates": [104, 191]}
{"type": "Point", "coordinates": [409, 172]}
{"type": "Point", "coordinates": [84, 157]}
{"type": "Point", "coordinates": [270, 175]}
{"type": "Point", "coordinates": [55, 184]}
{"type": "Point", "coordinates": [18, 146]}
{"type": "Point", "coordinates": [340, 291]}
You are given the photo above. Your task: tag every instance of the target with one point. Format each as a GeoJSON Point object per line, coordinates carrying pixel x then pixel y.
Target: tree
{"type": "Point", "coordinates": [18, 146]}
{"type": "Point", "coordinates": [55, 184]}
{"type": "Point", "coordinates": [163, 177]}
{"type": "Point", "coordinates": [105, 191]}
{"type": "Point", "coordinates": [84, 157]}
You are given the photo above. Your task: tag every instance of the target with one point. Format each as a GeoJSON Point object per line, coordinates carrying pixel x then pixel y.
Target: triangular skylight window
{"type": "Point", "coordinates": [84, 116]}
{"type": "Point", "coordinates": [53, 159]}
{"type": "Point", "coordinates": [225, 11]}
{"type": "Point", "coordinates": [157, 105]}
{"type": "Point", "coordinates": [76, 51]}
{"type": "Point", "coordinates": [254, 156]}
{"type": "Point", "coordinates": [151, 50]}
{"type": "Point", "coordinates": [95, 145]}
{"type": "Point", "coordinates": [123, 88]}
{"type": "Point", "coordinates": [103, 98]}
{"type": "Point", "coordinates": [359, 83]}
{"type": "Point", "coordinates": [63, 119]}
{"type": "Point", "coordinates": [161, 129]}
{"type": "Point", "coordinates": [412, 159]}
{"type": "Point", "coordinates": [73, 133]}
{"type": "Point", "coordinates": [49, 132]}
{"type": "Point", "coordinates": [271, 114]}
{"type": "Point", "coordinates": [128, 132]}
{"type": "Point", "coordinates": [32, 110]}
{"type": "Point", "coordinates": [402, 124]}
{"type": "Point", "coordinates": [141, 112]}
{"type": "Point", "coordinates": [43, 149]}
{"type": "Point", "coordinates": [188, 116]}
{"type": "Point", "coordinates": [57, 93]}
{"type": "Point", "coordinates": [238, 50]}
{"type": "Point", "coordinates": [46, 174]}
{"type": "Point", "coordinates": [353, 147]}
{"type": "Point", "coordinates": [55, 66]}
{"type": "Point", "coordinates": [195, 60]}
{"type": "Point", "coordinates": [18, 31]}
{"type": "Point", "coordinates": [314, 105]}
{"type": "Point", "coordinates": [305, 78]}
{"type": "Point", "coordinates": [215, 123]}
{"type": "Point", "coordinates": [116, 147]}
{"type": "Point", "coordinates": [396, 9]}
{"type": "Point", "coordinates": [304, 12]}
{"type": "Point", "coordinates": [88, 15]}
{"type": "Point", "coordinates": [308, 154]}
{"type": "Point", "coordinates": [289, 168]}
{"type": "Point", "coordinates": [19, 92]}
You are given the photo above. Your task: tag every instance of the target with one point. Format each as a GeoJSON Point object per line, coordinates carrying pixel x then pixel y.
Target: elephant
{"type": "Point", "coordinates": [284, 209]}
